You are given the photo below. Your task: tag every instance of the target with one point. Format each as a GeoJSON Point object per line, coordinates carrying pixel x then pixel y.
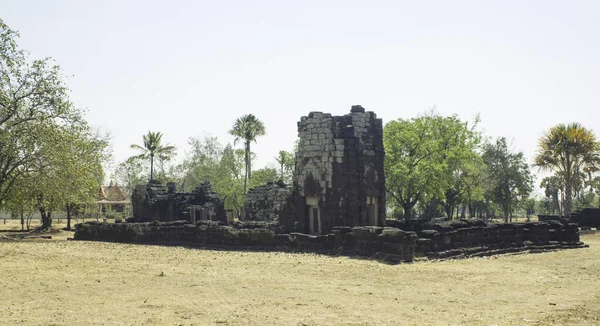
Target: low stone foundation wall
{"type": "Point", "coordinates": [476, 238]}
{"type": "Point", "coordinates": [377, 242]}
{"type": "Point", "coordinates": [441, 240]}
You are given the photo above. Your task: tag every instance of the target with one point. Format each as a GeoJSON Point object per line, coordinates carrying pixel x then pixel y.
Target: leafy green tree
{"type": "Point", "coordinates": [528, 206]}
{"type": "Point", "coordinates": [130, 173]}
{"type": "Point", "coordinates": [202, 162]}
{"type": "Point", "coordinates": [553, 187]}
{"type": "Point", "coordinates": [568, 150]}
{"type": "Point", "coordinates": [153, 148]}
{"type": "Point", "coordinates": [595, 187]}
{"type": "Point", "coordinates": [222, 166]}
{"type": "Point", "coordinates": [286, 161]}
{"type": "Point", "coordinates": [33, 100]}
{"type": "Point", "coordinates": [67, 172]}
{"type": "Point", "coordinates": [80, 170]}
{"type": "Point", "coordinates": [247, 128]}
{"type": "Point", "coordinates": [230, 181]}
{"type": "Point", "coordinates": [262, 176]}
{"type": "Point", "coordinates": [425, 156]}
{"type": "Point", "coordinates": [20, 199]}
{"type": "Point", "coordinates": [508, 176]}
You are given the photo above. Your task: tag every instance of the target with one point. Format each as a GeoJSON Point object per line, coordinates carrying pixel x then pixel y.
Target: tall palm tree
{"type": "Point", "coordinates": [153, 148]}
{"type": "Point", "coordinates": [246, 128]}
{"type": "Point", "coordinates": [568, 150]}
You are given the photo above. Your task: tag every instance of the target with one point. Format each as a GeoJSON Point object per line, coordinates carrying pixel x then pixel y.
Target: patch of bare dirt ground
{"type": "Point", "coordinates": [59, 282]}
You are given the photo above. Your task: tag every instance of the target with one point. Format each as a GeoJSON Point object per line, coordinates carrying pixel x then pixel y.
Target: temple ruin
{"type": "Point", "coordinates": [156, 202]}
{"type": "Point", "coordinates": [339, 175]}
{"type": "Point", "coordinates": [336, 204]}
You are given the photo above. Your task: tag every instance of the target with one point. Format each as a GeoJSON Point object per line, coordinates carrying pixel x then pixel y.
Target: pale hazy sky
{"type": "Point", "coordinates": [186, 68]}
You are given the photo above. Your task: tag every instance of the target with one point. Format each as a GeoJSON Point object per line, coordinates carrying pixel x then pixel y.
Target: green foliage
{"type": "Point", "coordinates": [154, 149]}
{"type": "Point", "coordinates": [570, 151]}
{"type": "Point", "coordinates": [230, 179]}
{"type": "Point", "coordinates": [130, 173]}
{"type": "Point", "coordinates": [508, 178]}
{"type": "Point", "coordinates": [553, 186]}
{"type": "Point", "coordinates": [33, 100]}
{"type": "Point", "coordinates": [47, 150]}
{"type": "Point", "coordinates": [286, 161]}
{"type": "Point", "coordinates": [262, 176]}
{"type": "Point", "coordinates": [430, 158]}
{"type": "Point", "coordinates": [528, 205]}
{"type": "Point", "coordinates": [222, 166]}
{"type": "Point", "coordinates": [247, 128]}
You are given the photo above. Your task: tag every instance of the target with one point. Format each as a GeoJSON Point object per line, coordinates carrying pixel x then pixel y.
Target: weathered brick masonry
{"type": "Point", "coordinates": [442, 240]}
{"type": "Point", "coordinates": [157, 202]}
{"type": "Point", "coordinates": [339, 178]}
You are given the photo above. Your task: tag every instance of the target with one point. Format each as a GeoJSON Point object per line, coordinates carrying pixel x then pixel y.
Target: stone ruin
{"type": "Point", "coordinates": [586, 218]}
{"type": "Point", "coordinates": [336, 204]}
{"type": "Point", "coordinates": [267, 202]}
{"type": "Point", "coordinates": [156, 202]}
{"type": "Point", "coordinates": [338, 179]}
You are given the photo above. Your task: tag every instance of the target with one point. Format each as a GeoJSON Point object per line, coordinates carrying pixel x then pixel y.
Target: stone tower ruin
{"type": "Point", "coordinates": [339, 179]}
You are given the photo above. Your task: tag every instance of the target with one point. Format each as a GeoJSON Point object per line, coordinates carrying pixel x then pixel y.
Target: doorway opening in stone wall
{"type": "Point", "coordinates": [372, 210]}
{"type": "Point", "coordinates": [314, 215]}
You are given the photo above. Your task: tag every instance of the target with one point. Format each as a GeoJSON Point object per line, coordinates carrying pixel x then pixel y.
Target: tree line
{"type": "Point", "coordinates": [229, 170]}
{"type": "Point", "coordinates": [51, 159]}
{"type": "Point", "coordinates": [439, 166]}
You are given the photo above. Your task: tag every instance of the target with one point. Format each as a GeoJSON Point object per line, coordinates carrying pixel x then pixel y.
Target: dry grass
{"type": "Point", "coordinates": [63, 282]}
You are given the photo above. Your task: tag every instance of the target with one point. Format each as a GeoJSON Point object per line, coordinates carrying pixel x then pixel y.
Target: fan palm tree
{"type": "Point", "coordinates": [568, 150]}
{"type": "Point", "coordinates": [246, 128]}
{"type": "Point", "coordinates": [153, 148]}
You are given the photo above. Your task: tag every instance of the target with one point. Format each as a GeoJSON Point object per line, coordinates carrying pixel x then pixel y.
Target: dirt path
{"type": "Point", "coordinates": [82, 283]}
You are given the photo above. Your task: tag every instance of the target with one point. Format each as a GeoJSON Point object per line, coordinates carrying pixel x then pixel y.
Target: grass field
{"type": "Point", "coordinates": [60, 282]}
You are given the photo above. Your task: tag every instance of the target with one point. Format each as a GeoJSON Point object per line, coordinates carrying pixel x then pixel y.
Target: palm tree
{"type": "Point", "coordinates": [568, 150]}
{"type": "Point", "coordinates": [153, 148]}
{"type": "Point", "coordinates": [246, 128]}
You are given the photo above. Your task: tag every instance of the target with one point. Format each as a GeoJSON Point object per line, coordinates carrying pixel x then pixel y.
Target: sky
{"type": "Point", "coordinates": [190, 68]}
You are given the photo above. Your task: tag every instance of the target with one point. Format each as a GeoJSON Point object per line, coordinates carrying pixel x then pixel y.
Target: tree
{"type": "Point", "coordinates": [67, 172]}
{"type": "Point", "coordinates": [508, 176]}
{"type": "Point", "coordinates": [222, 166]}
{"type": "Point", "coordinates": [153, 148]}
{"type": "Point", "coordinates": [263, 176]}
{"type": "Point", "coordinates": [528, 205]}
{"type": "Point", "coordinates": [20, 200]}
{"type": "Point", "coordinates": [80, 170]}
{"type": "Point", "coordinates": [568, 150]}
{"type": "Point", "coordinates": [553, 188]}
{"type": "Point", "coordinates": [230, 179]}
{"type": "Point", "coordinates": [202, 162]}
{"type": "Point", "coordinates": [33, 100]}
{"type": "Point", "coordinates": [424, 156]}
{"type": "Point", "coordinates": [129, 173]}
{"type": "Point", "coordinates": [247, 128]}
{"type": "Point", "coordinates": [286, 161]}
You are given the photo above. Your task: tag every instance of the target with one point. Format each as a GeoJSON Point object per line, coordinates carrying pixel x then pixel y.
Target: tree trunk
{"type": "Point", "coordinates": [407, 210]}
{"type": "Point", "coordinates": [464, 211]}
{"type": "Point", "coordinates": [247, 149]}
{"type": "Point", "coordinates": [69, 216]}
{"type": "Point", "coordinates": [249, 158]}
{"type": "Point", "coordinates": [46, 219]}
{"type": "Point", "coordinates": [449, 211]}
{"type": "Point", "coordinates": [22, 221]}
{"type": "Point", "coordinates": [568, 197]}
{"type": "Point", "coordinates": [151, 167]}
